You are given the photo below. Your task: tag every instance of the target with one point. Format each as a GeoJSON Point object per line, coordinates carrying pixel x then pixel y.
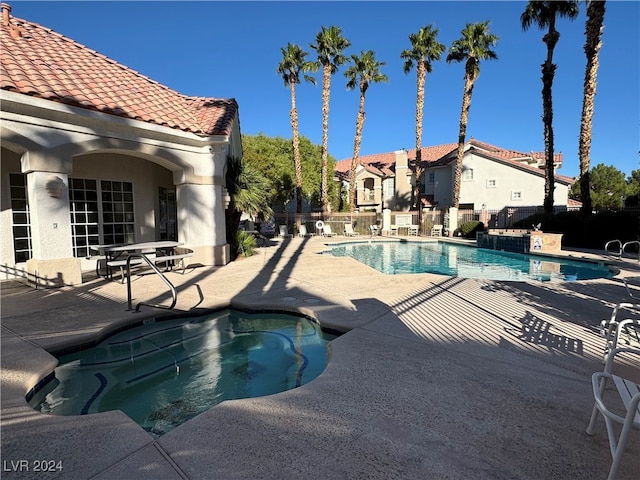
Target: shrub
{"type": "Point", "coordinates": [469, 229]}
{"type": "Point", "coordinates": [246, 244]}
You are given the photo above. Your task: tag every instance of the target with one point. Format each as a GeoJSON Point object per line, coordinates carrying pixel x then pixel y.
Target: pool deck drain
{"type": "Point", "coordinates": [437, 377]}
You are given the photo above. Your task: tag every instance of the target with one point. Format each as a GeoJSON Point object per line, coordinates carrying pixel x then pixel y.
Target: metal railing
{"type": "Point", "coordinates": [174, 293]}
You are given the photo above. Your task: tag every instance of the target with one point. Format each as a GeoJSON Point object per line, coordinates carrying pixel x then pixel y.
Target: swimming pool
{"type": "Point", "coordinates": [163, 373]}
{"type": "Point", "coordinates": [398, 257]}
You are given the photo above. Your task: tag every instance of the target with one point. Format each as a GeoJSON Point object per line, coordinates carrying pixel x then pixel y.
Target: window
{"type": "Point", "coordinates": [20, 218]}
{"type": "Point", "coordinates": [431, 177]}
{"type": "Point", "coordinates": [117, 212]}
{"type": "Point", "coordinates": [389, 187]}
{"type": "Point", "coordinates": [369, 194]}
{"type": "Point", "coordinates": [516, 195]}
{"type": "Point", "coordinates": [168, 214]}
{"type": "Point", "coordinates": [83, 208]}
{"type": "Point", "coordinates": [92, 203]}
{"type": "Point", "coordinates": [467, 174]}
{"type": "Point", "coordinates": [492, 183]}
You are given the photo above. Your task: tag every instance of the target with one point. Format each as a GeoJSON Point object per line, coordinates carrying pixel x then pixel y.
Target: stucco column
{"type": "Point", "coordinates": [52, 262]}
{"type": "Point", "coordinates": [386, 221]}
{"type": "Point", "coordinates": [453, 221]}
{"type": "Point", "coordinates": [201, 222]}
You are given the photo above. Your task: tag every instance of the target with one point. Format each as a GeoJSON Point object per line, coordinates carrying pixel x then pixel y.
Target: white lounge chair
{"type": "Point", "coordinates": [622, 329]}
{"type": "Point", "coordinates": [302, 231]}
{"type": "Point", "coordinates": [436, 231]}
{"type": "Point", "coordinates": [374, 230]}
{"type": "Point", "coordinates": [326, 231]}
{"type": "Point", "coordinates": [348, 230]}
{"type": "Point", "coordinates": [628, 393]}
{"type": "Point", "coordinates": [284, 232]}
{"type": "Point", "coordinates": [413, 230]}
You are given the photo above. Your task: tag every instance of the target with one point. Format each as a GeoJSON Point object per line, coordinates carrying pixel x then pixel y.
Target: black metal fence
{"type": "Point", "coordinates": [361, 221]}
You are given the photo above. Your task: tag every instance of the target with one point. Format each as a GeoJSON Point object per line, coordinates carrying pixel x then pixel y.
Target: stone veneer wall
{"type": "Point", "coordinates": [519, 241]}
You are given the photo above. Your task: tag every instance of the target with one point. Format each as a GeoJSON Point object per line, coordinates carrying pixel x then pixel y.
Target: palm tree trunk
{"type": "Point", "coordinates": [417, 193]}
{"type": "Point", "coordinates": [326, 87]}
{"type": "Point", "coordinates": [356, 153]}
{"type": "Point", "coordinates": [548, 72]}
{"type": "Point", "coordinates": [296, 148]}
{"type": "Point", "coordinates": [464, 118]}
{"type": "Point", "coordinates": [595, 19]}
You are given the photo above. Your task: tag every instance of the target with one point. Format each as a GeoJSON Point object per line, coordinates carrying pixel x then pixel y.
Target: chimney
{"type": "Point", "coordinates": [6, 13]}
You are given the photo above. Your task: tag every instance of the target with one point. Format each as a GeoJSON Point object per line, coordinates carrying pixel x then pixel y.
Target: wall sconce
{"type": "Point", "coordinates": [54, 186]}
{"type": "Point", "coordinates": [484, 206]}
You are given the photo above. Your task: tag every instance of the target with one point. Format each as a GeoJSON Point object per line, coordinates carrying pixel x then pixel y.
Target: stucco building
{"type": "Point", "coordinates": [492, 176]}
{"type": "Point", "coordinates": [96, 153]}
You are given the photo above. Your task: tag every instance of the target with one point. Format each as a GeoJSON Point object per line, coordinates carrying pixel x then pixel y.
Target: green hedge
{"type": "Point", "coordinates": [469, 229]}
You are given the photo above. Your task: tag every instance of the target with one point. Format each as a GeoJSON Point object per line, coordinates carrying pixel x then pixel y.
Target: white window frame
{"type": "Point", "coordinates": [516, 195]}
{"type": "Point", "coordinates": [102, 211]}
{"type": "Point", "coordinates": [20, 218]}
{"type": "Point", "coordinates": [492, 183]}
{"type": "Point", "coordinates": [467, 175]}
{"type": "Point", "coordinates": [389, 187]}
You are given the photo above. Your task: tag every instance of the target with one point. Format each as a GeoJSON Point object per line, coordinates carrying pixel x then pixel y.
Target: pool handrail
{"type": "Point", "coordinates": [174, 294]}
{"type": "Point", "coordinates": [615, 242]}
{"type": "Point", "coordinates": [632, 242]}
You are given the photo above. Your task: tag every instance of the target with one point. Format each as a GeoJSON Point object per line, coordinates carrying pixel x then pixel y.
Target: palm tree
{"type": "Point", "coordinates": [475, 45]}
{"type": "Point", "coordinates": [329, 45]}
{"type": "Point", "coordinates": [365, 69]}
{"type": "Point", "coordinates": [543, 14]}
{"type": "Point", "coordinates": [594, 26]}
{"type": "Point", "coordinates": [424, 50]}
{"type": "Point", "coordinates": [249, 193]}
{"type": "Point", "coordinates": [292, 65]}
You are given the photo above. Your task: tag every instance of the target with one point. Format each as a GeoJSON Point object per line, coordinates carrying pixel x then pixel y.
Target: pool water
{"type": "Point", "coordinates": [163, 373]}
{"type": "Point", "coordinates": [392, 257]}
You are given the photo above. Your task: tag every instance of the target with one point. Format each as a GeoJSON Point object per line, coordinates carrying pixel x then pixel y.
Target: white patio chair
{"type": "Point", "coordinates": [436, 231]}
{"type": "Point", "coordinates": [628, 393]}
{"type": "Point", "coordinates": [326, 231]}
{"type": "Point", "coordinates": [622, 328]}
{"type": "Point", "coordinates": [302, 231]}
{"type": "Point", "coordinates": [374, 230]}
{"type": "Point", "coordinates": [413, 230]}
{"type": "Point", "coordinates": [284, 232]}
{"type": "Point", "coordinates": [349, 232]}
{"type": "Point", "coordinates": [624, 332]}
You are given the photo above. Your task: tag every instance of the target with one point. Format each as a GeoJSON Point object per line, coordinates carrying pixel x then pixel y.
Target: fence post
{"type": "Point", "coordinates": [453, 221]}
{"type": "Point", "coordinates": [386, 220]}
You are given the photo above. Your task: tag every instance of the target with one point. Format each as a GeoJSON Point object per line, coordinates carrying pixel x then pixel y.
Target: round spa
{"type": "Point", "coordinates": [165, 372]}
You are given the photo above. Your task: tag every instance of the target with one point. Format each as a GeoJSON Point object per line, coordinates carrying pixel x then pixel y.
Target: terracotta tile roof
{"type": "Point", "coordinates": [383, 164]}
{"type": "Point", "coordinates": [39, 62]}
{"type": "Point", "coordinates": [428, 200]}
{"type": "Point", "coordinates": [432, 154]}
{"type": "Point", "coordinates": [534, 157]}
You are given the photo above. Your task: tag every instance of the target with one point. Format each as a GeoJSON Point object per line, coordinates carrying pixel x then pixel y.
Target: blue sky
{"type": "Point", "coordinates": [232, 49]}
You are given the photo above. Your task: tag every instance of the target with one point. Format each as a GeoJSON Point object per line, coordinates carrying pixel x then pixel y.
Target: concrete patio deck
{"type": "Point", "coordinates": [436, 377]}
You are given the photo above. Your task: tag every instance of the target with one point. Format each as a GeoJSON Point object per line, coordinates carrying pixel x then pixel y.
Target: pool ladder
{"type": "Point", "coordinates": [174, 293]}
{"type": "Point", "coordinates": [621, 247]}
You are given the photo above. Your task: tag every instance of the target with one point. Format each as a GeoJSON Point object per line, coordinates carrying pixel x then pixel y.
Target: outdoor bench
{"type": "Point", "coordinates": [179, 254]}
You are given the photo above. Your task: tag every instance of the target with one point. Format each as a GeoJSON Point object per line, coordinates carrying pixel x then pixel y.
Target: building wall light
{"type": "Point", "coordinates": [54, 186]}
